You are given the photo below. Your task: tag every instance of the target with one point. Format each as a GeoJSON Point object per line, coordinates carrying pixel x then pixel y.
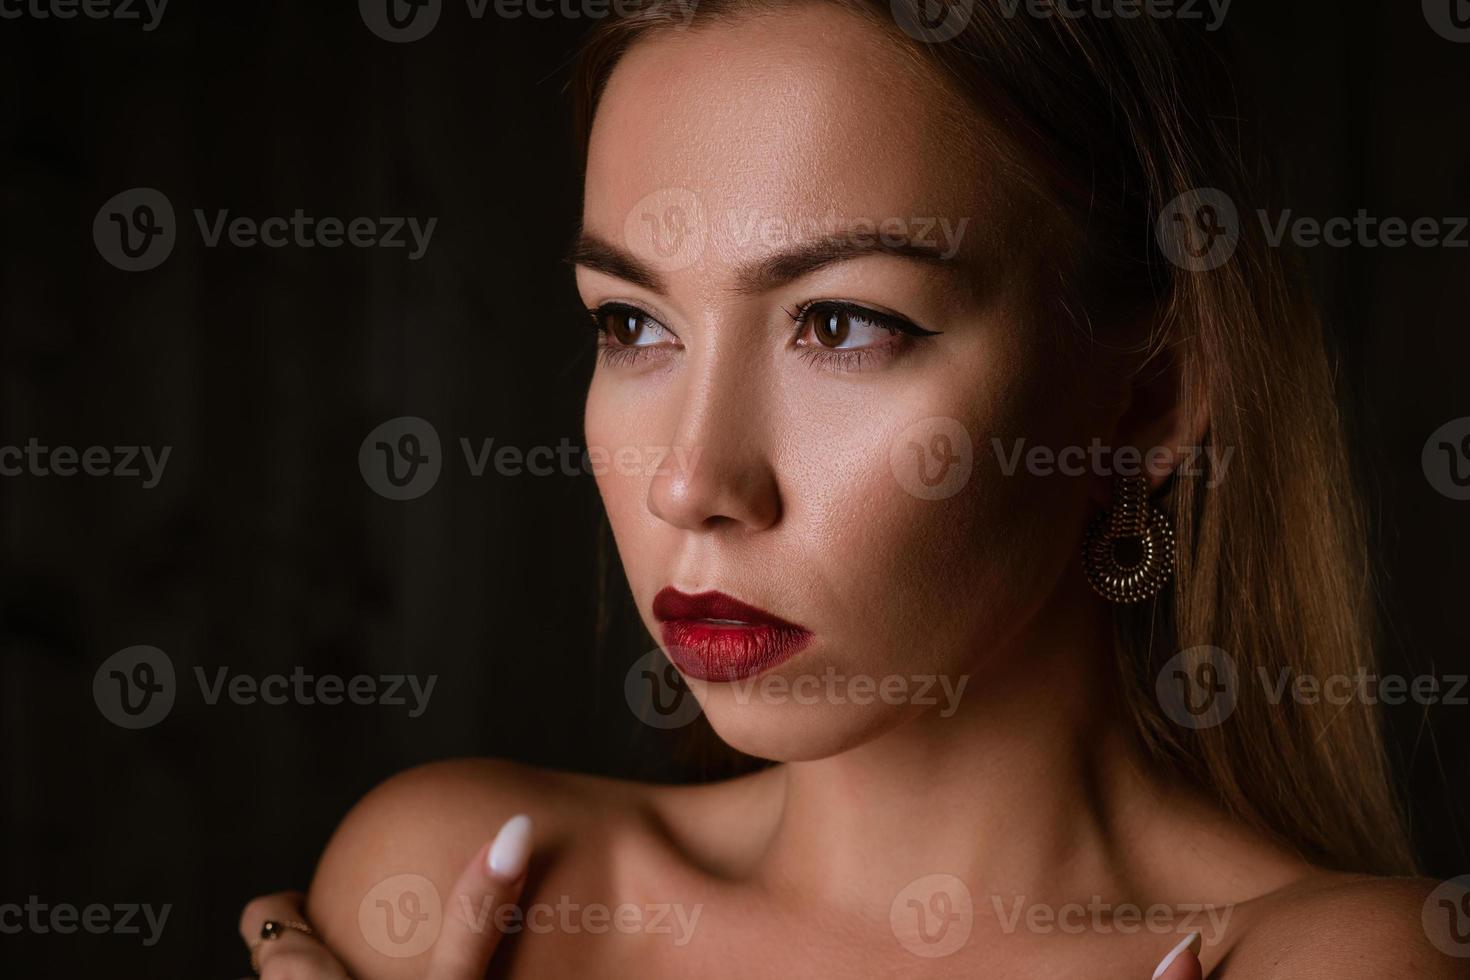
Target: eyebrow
{"type": "Point", "coordinates": [593, 253]}
{"type": "Point", "coordinates": [599, 255]}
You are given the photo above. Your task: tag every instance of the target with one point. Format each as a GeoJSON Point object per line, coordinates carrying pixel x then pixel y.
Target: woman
{"type": "Point", "coordinates": [980, 391]}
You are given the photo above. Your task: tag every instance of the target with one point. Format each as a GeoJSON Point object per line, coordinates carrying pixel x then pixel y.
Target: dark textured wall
{"type": "Point", "coordinates": [262, 549]}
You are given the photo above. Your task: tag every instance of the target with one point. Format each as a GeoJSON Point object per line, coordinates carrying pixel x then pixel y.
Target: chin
{"type": "Point", "coordinates": [779, 727]}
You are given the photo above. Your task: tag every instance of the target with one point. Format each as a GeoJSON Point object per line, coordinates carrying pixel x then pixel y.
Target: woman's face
{"type": "Point", "coordinates": [832, 338]}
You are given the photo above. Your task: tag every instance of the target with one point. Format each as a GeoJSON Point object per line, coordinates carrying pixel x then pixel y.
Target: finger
{"type": "Point", "coordinates": [1182, 962]}
{"type": "Point", "coordinates": [492, 880]}
{"type": "Point", "coordinates": [292, 954]}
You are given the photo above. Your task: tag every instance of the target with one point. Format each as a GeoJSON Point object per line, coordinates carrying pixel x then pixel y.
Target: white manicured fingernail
{"type": "Point", "coordinates": [511, 849]}
{"type": "Point", "coordinates": [1190, 942]}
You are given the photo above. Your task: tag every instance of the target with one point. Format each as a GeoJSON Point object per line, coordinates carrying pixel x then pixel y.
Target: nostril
{"type": "Point", "coordinates": [728, 492]}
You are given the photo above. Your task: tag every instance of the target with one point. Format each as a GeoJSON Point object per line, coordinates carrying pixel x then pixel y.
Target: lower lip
{"type": "Point", "coordinates": [722, 652]}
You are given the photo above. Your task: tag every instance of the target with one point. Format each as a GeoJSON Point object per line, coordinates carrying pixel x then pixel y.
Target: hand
{"type": "Point", "coordinates": [494, 875]}
{"type": "Point", "coordinates": [1182, 962]}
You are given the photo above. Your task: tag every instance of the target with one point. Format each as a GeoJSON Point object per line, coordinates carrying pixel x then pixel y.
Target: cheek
{"type": "Point", "coordinates": [923, 548]}
{"type": "Point", "coordinates": [628, 428]}
{"type": "Point", "coordinates": [610, 423]}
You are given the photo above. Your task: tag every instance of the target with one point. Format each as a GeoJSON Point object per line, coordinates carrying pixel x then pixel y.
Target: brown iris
{"type": "Point", "coordinates": [832, 328]}
{"type": "Point", "coordinates": [625, 326]}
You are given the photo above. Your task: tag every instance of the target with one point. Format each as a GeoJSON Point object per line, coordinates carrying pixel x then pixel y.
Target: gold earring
{"type": "Point", "coordinates": [1128, 552]}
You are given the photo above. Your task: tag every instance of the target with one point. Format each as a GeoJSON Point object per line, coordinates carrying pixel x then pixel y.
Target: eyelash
{"type": "Point", "coordinates": [611, 353]}
{"type": "Point", "coordinates": [856, 358]}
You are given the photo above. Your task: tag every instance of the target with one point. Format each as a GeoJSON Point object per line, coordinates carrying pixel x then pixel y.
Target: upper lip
{"type": "Point", "coordinates": [671, 604]}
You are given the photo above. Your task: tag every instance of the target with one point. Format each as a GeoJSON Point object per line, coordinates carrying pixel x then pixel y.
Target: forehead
{"type": "Point", "coordinates": [803, 116]}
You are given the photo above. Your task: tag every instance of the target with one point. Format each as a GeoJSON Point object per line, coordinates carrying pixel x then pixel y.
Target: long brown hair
{"type": "Point", "coordinates": [1120, 117]}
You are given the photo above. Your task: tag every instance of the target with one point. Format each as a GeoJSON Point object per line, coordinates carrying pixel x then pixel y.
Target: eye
{"type": "Point", "coordinates": [626, 332]}
{"type": "Point", "coordinates": [839, 328]}
{"type": "Point", "coordinates": [845, 333]}
{"type": "Point", "coordinates": [626, 325]}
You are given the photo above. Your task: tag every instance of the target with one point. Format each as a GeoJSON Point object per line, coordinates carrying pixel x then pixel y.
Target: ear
{"type": "Point", "coordinates": [1157, 430]}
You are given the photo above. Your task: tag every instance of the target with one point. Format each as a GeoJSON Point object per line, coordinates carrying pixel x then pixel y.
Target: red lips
{"type": "Point", "coordinates": [715, 637]}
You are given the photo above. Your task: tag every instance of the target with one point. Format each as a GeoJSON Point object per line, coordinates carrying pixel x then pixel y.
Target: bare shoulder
{"type": "Point", "coordinates": [378, 888]}
{"type": "Point", "coordinates": [1345, 926]}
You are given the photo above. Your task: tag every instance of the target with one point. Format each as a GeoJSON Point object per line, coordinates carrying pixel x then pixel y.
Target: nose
{"type": "Point", "coordinates": [719, 474]}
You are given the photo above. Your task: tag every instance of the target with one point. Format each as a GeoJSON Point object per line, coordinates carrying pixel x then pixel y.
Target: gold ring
{"type": "Point", "coordinates": [273, 929]}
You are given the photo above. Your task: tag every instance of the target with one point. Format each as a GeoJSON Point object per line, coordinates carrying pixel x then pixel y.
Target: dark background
{"type": "Point", "coordinates": [263, 549]}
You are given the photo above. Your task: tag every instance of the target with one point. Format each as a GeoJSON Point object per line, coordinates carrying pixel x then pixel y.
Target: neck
{"type": "Point", "coordinates": [1025, 790]}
